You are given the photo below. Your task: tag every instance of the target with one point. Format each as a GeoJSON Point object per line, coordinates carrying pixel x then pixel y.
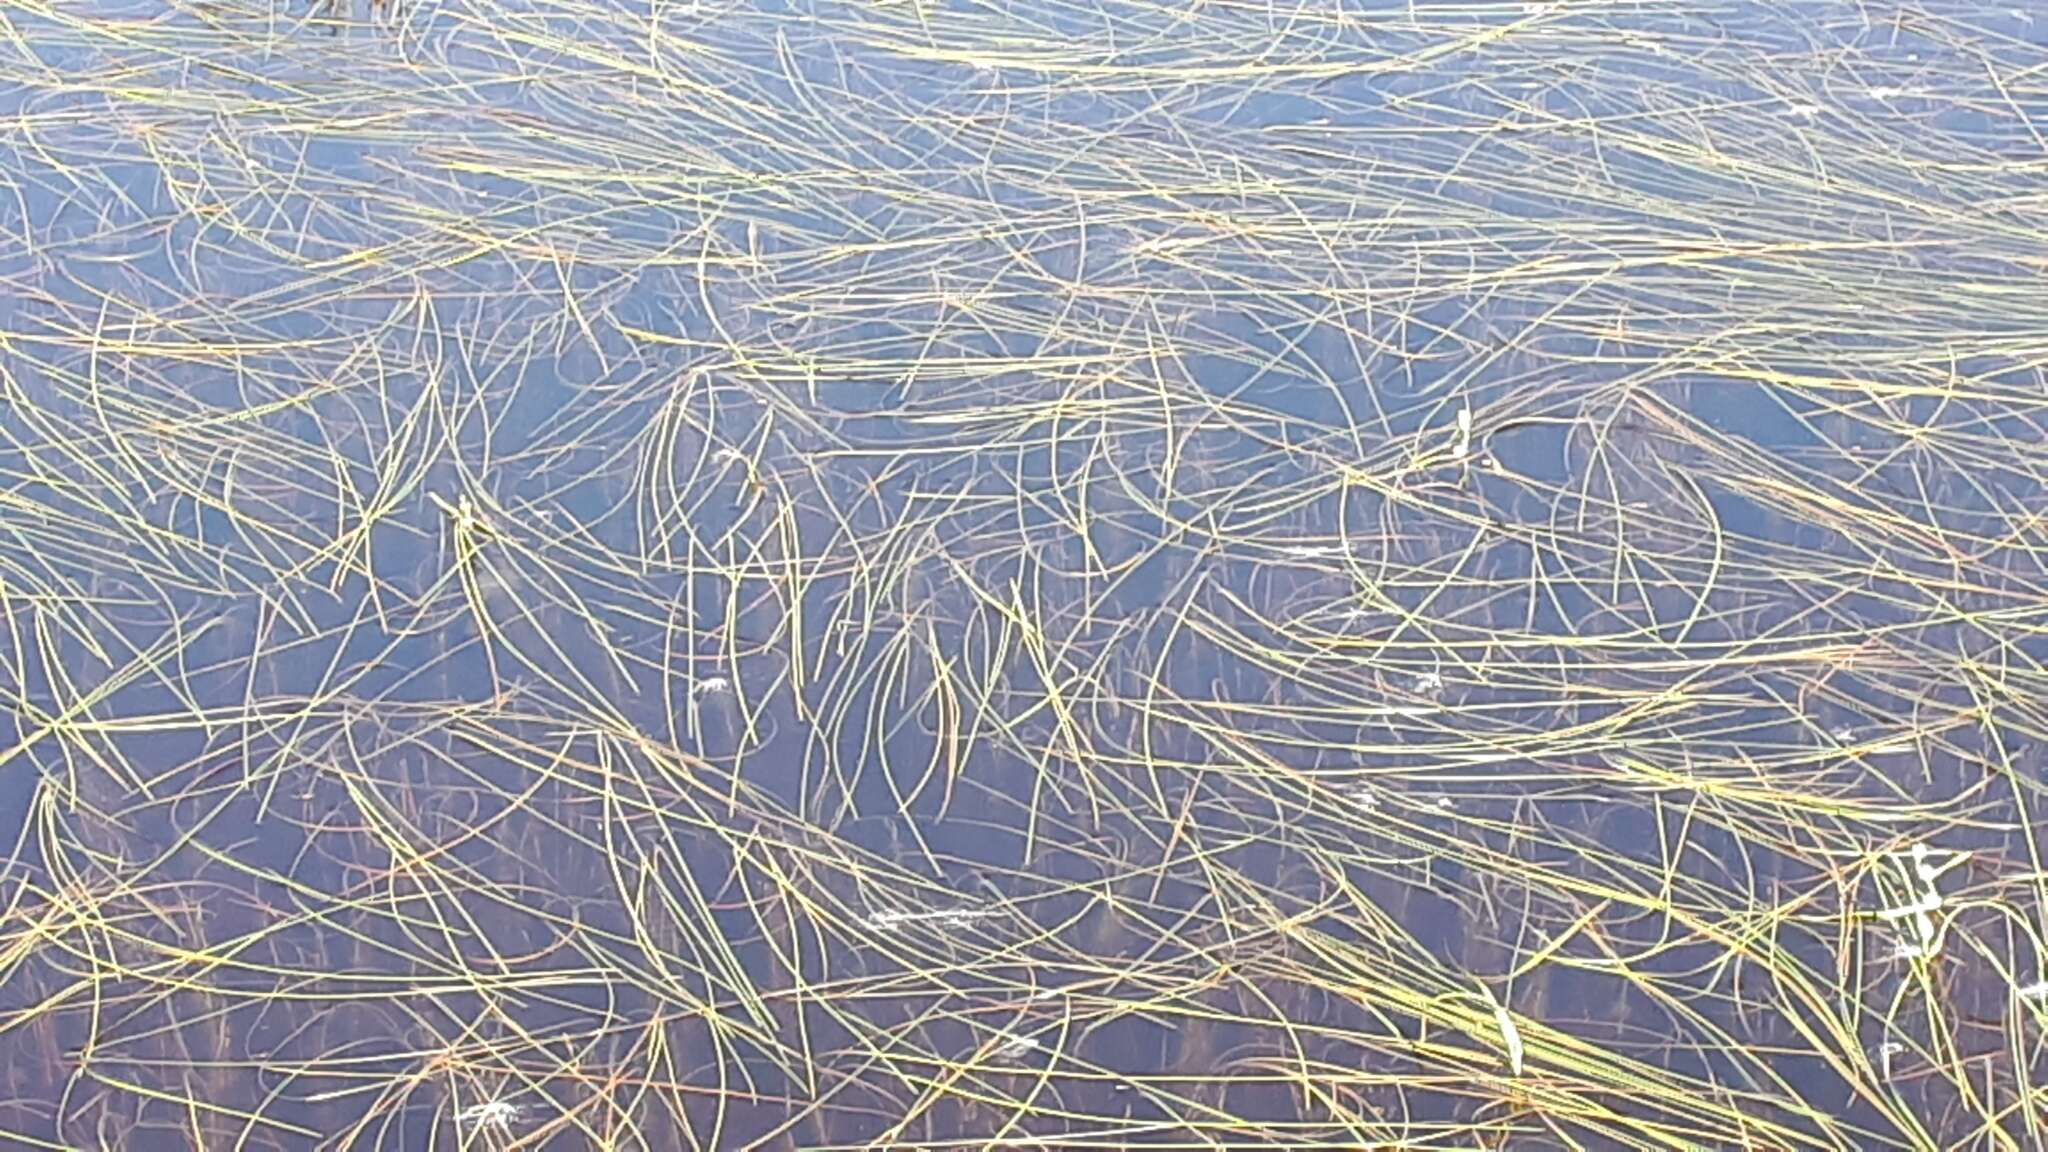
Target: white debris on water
{"type": "Point", "coordinates": [890, 920]}
{"type": "Point", "coordinates": [496, 1115]}
{"type": "Point", "coordinates": [1917, 914]}
{"type": "Point", "coordinates": [1885, 1052]}
{"type": "Point", "coordinates": [1016, 1047]}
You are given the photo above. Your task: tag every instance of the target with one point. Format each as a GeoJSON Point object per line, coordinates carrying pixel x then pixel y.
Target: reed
{"type": "Point", "coordinates": [717, 576]}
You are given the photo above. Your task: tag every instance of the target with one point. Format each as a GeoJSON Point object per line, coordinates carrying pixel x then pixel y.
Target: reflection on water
{"type": "Point", "coordinates": [980, 575]}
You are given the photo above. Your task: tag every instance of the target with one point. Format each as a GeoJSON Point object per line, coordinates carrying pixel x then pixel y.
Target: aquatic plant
{"type": "Point", "coordinates": [713, 576]}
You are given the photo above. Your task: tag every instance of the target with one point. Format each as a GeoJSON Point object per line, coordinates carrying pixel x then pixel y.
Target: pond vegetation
{"type": "Point", "coordinates": [948, 574]}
